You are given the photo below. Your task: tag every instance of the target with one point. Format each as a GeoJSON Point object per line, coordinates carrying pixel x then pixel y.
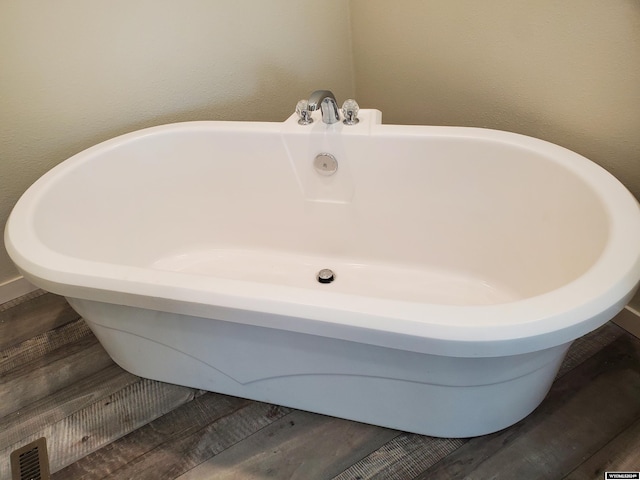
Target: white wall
{"type": "Point", "coordinates": [73, 72]}
{"type": "Point", "coordinates": [566, 71]}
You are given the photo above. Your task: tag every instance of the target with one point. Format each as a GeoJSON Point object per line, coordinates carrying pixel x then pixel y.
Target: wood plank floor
{"type": "Point", "coordinates": [101, 422]}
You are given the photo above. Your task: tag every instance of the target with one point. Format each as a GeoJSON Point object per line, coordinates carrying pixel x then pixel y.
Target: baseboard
{"type": "Point", "coordinates": [15, 288]}
{"type": "Point", "coordinates": [629, 319]}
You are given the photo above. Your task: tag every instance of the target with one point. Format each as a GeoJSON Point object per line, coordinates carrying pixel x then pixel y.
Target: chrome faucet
{"type": "Point", "coordinates": [325, 101]}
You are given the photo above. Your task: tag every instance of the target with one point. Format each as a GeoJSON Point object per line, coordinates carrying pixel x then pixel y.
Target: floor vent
{"type": "Point", "coordinates": [31, 462]}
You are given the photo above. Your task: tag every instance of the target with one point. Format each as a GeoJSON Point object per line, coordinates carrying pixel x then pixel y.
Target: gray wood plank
{"type": "Point", "coordinates": [153, 438]}
{"type": "Point", "coordinates": [171, 459]}
{"type": "Point", "coordinates": [22, 320]}
{"type": "Point", "coordinates": [622, 454]}
{"type": "Point", "coordinates": [43, 344]}
{"type": "Point", "coordinates": [301, 445]}
{"type": "Point", "coordinates": [581, 414]}
{"type": "Point", "coordinates": [56, 370]}
{"type": "Point", "coordinates": [51, 409]}
{"type": "Point", "coordinates": [21, 299]}
{"type": "Point", "coordinates": [104, 421]}
{"type": "Point", "coordinates": [406, 456]}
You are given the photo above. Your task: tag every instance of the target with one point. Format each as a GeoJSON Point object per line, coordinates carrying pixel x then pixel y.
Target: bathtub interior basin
{"type": "Point", "coordinates": [473, 252]}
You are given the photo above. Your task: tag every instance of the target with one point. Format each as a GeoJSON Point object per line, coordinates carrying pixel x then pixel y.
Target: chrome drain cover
{"type": "Point", "coordinates": [326, 276]}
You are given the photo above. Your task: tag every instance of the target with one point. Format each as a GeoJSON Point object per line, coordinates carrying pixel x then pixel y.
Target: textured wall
{"type": "Point", "coordinates": [73, 73]}
{"type": "Point", "coordinates": [567, 72]}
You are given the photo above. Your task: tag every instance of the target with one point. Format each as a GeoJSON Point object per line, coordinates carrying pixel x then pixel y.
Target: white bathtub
{"type": "Point", "coordinates": [466, 262]}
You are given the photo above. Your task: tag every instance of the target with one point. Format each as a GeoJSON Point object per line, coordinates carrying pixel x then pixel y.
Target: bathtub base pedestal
{"type": "Point", "coordinates": [420, 393]}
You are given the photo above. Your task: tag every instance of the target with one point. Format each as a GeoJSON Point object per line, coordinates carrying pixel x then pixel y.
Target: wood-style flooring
{"type": "Point", "coordinates": [101, 422]}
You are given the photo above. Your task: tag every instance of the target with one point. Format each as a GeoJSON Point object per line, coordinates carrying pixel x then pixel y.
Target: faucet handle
{"type": "Point", "coordinates": [350, 111]}
{"type": "Point", "coordinates": [304, 114]}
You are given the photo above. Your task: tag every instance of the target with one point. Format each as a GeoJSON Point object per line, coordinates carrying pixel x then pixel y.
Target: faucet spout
{"type": "Point", "coordinates": [325, 100]}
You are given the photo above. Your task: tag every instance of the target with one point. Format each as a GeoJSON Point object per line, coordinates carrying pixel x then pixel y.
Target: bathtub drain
{"type": "Point", "coordinates": [326, 276]}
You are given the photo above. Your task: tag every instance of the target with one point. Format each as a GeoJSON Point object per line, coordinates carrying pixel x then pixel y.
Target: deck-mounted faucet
{"type": "Point", "coordinates": [325, 100]}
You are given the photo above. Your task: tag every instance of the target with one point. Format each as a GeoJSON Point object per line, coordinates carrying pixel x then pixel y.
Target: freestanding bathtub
{"type": "Point", "coordinates": [465, 262]}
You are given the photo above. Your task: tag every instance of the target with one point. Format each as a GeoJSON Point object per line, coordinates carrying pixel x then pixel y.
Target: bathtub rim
{"type": "Point", "coordinates": [548, 319]}
{"type": "Point", "coordinates": [462, 340]}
